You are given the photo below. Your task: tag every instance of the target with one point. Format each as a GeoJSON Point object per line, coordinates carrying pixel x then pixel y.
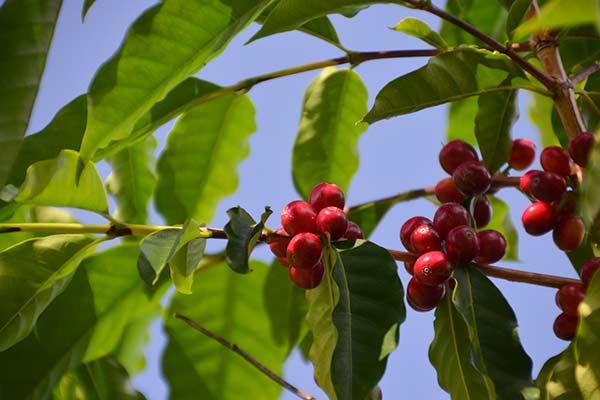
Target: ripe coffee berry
{"type": "Point", "coordinates": [525, 181]}
{"type": "Point", "coordinates": [565, 326]}
{"type": "Point", "coordinates": [448, 216]}
{"type": "Point", "coordinates": [326, 195]}
{"type": "Point", "coordinates": [462, 244]}
{"type": "Point", "coordinates": [304, 250]}
{"type": "Point", "coordinates": [472, 177]}
{"type": "Point", "coordinates": [454, 153]}
{"type": "Point", "coordinates": [332, 220]}
{"type": "Point", "coordinates": [353, 231]}
{"type": "Point", "coordinates": [297, 217]}
{"type": "Point", "coordinates": [307, 278]}
{"type": "Point", "coordinates": [548, 186]}
{"type": "Point", "coordinates": [482, 211]}
{"type": "Point", "coordinates": [279, 246]}
{"type": "Point", "coordinates": [446, 191]}
{"type": "Point", "coordinates": [568, 233]}
{"type": "Point", "coordinates": [433, 268]}
{"type": "Point", "coordinates": [424, 238]}
{"type": "Point", "coordinates": [408, 227]}
{"type": "Point", "coordinates": [409, 267]}
{"type": "Point", "coordinates": [522, 154]}
{"type": "Point", "coordinates": [580, 148]}
{"type": "Point", "coordinates": [538, 218]}
{"type": "Point", "coordinates": [588, 270]}
{"type": "Point", "coordinates": [566, 206]}
{"type": "Point", "coordinates": [568, 298]}
{"type": "Point", "coordinates": [422, 297]}
{"type": "Point", "coordinates": [492, 246]}
{"type": "Point", "coordinates": [556, 159]}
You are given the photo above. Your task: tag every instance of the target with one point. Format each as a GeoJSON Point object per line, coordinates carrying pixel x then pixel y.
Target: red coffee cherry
{"type": "Point", "coordinates": [568, 233]}
{"type": "Point", "coordinates": [556, 159]}
{"type": "Point", "coordinates": [353, 231]}
{"type": "Point", "coordinates": [462, 244]}
{"type": "Point", "coordinates": [580, 148]}
{"type": "Point", "coordinates": [304, 251]}
{"type": "Point", "coordinates": [525, 181]}
{"type": "Point", "coordinates": [332, 220]}
{"type": "Point", "coordinates": [482, 211]}
{"type": "Point", "coordinates": [326, 195]}
{"type": "Point", "coordinates": [454, 153]}
{"type": "Point", "coordinates": [522, 154]}
{"type": "Point", "coordinates": [446, 191]}
{"type": "Point", "coordinates": [588, 270]}
{"type": "Point", "coordinates": [433, 268]}
{"type": "Point", "coordinates": [538, 218]}
{"type": "Point", "coordinates": [409, 267]}
{"type": "Point", "coordinates": [568, 298]}
{"type": "Point", "coordinates": [472, 177]}
{"type": "Point", "coordinates": [297, 217]}
{"type": "Point", "coordinates": [279, 246]}
{"type": "Point", "coordinates": [407, 229]}
{"type": "Point", "coordinates": [566, 206]}
{"type": "Point", "coordinates": [307, 278]}
{"type": "Point", "coordinates": [283, 261]}
{"type": "Point", "coordinates": [492, 247]}
{"type": "Point", "coordinates": [424, 238]}
{"type": "Point", "coordinates": [565, 326]}
{"type": "Point", "coordinates": [547, 186]}
{"type": "Point", "coordinates": [422, 297]}
{"type": "Point", "coordinates": [448, 216]}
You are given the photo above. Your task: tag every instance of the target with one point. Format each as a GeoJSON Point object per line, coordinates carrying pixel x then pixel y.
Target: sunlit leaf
{"type": "Point", "coordinates": [419, 29]}
{"type": "Point", "coordinates": [540, 112]}
{"type": "Point", "coordinates": [589, 200]}
{"type": "Point", "coordinates": [516, 13]}
{"type": "Point", "coordinates": [461, 120]}
{"type": "Point", "coordinates": [559, 13]}
{"type": "Point", "coordinates": [502, 222]}
{"type": "Point", "coordinates": [488, 16]}
{"type": "Point", "coordinates": [184, 263]}
{"type": "Point", "coordinates": [243, 233]}
{"type": "Point", "coordinates": [557, 378]}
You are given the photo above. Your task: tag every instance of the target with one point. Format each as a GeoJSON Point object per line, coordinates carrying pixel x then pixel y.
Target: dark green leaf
{"type": "Point", "coordinates": [502, 222]}
{"type": "Point", "coordinates": [589, 200]}
{"type": "Point", "coordinates": [556, 380]}
{"type": "Point", "coordinates": [488, 16]}
{"type": "Point", "coordinates": [87, 4]}
{"type": "Point", "coordinates": [326, 148]}
{"type": "Point", "coordinates": [242, 235]}
{"type": "Point", "coordinates": [560, 13]}
{"type": "Point", "coordinates": [199, 164]}
{"type": "Point", "coordinates": [26, 29]}
{"type": "Point", "coordinates": [461, 120]}
{"type": "Point", "coordinates": [579, 48]}
{"type": "Point", "coordinates": [540, 113]}
{"type": "Point", "coordinates": [516, 13]}
{"type": "Point", "coordinates": [419, 29]}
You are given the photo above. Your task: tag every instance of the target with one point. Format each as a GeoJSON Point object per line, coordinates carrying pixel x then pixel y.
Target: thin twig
{"type": "Point", "coordinates": [583, 74]}
{"type": "Point", "coordinates": [235, 348]}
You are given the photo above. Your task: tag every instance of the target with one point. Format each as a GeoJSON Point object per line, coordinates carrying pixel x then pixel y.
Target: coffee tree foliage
{"type": "Point", "coordinates": [74, 319]}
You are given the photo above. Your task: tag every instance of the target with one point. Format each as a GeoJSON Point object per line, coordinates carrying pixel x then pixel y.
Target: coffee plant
{"type": "Point", "coordinates": [77, 299]}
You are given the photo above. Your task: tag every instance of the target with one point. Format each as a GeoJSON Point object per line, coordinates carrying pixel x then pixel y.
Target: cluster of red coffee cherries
{"type": "Point", "coordinates": [568, 298]}
{"type": "Point", "coordinates": [305, 226]}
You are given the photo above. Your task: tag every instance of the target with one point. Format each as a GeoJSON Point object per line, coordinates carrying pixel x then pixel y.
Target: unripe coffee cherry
{"type": "Point", "coordinates": [448, 216]}
{"type": "Point", "coordinates": [446, 192]}
{"type": "Point", "coordinates": [326, 195]}
{"type": "Point", "coordinates": [433, 268]}
{"type": "Point", "coordinates": [472, 177]}
{"type": "Point", "coordinates": [332, 220]}
{"type": "Point", "coordinates": [492, 246]}
{"type": "Point", "coordinates": [307, 278]}
{"type": "Point", "coordinates": [568, 298]}
{"type": "Point", "coordinates": [556, 159]}
{"type": "Point", "coordinates": [588, 270]}
{"type": "Point", "coordinates": [297, 217]}
{"type": "Point", "coordinates": [568, 233]}
{"type": "Point", "coordinates": [454, 153]}
{"type": "Point", "coordinates": [353, 231]}
{"type": "Point", "coordinates": [548, 186]}
{"type": "Point", "coordinates": [538, 218]}
{"type": "Point", "coordinates": [304, 251]}
{"type": "Point", "coordinates": [424, 238]}
{"type": "Point", "coordinates": [422, 297]}
{"type": "Point", "coordinates": [565, 326]}
{"type": "Point", "coordinates": [522, 154]}
{"type": "Point", "coordinates": [462, 244]}
{"type": "Point", "coordinates": [525, 181]}
{"type": "Point", "coordinates": [580, 148]}
{"type": "Point", "coordinates": [482, 211]}
{"type": "Point", "coordinates": [279, 245]}
{"type": "Point", "coordinates": [408, 227]}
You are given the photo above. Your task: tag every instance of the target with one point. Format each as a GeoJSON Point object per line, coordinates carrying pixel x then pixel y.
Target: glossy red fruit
{"type": "Point", "coordinates": [548, 186]}
{"type": "Point", "coordinates": [422, 297]}
{"type": "Point", "coordinates": [408, 227]}
{"type": "Point", "coordinates": [297, 217]}
{"type": "Point", "coordinates": [304, 251]}
{"type": "Point", "coordinates": [462, 244]}
{"type": "Point", "coordinates": [353, 231]}
{"type": "Point", "coordinates": [433, 268]}
{"type": "Point", "coordinates": [409, 267]}
{"type": "Point", "coordinates": [279, 245]}
{"type": "Point", "coordinates": [482, 211]}
{"type": "Point", "coordinates": [472, 177]}
{"type": "Point", "coordinates": [332, 220]}
{"type": "Point", "coordinates": [522, 154]}
{"type": "Point", "coordinates": [525, 181]}
{"type": "Point", "coordinates": [568, 298]}
{"type": "Point", "coordinates": [538, 218]}
{"type": "Point", "coordinates": [326, 195]}
{"type": "Point", "coordinates": [568, 233]}
{"type": "Point", "coordinates": [492, 246]}
{"type": "Point", "coordinates": [283, 261]}
{"type": "Point", "coordinates": [565, 326]}
{"type": "Point", "coordinates": [425, 238]}
{"type": "Point", "coordinates": [307, 278]}
{"type": "Point", "coordinates": [448, 216]}
{"type": "Point", "coordinates": [588, 270]}
{"type": "Point", "coordinates": [446, 192]}
{"type": "Point", "coordinates": [581, 146]}
{"type": "Point", "coordinates": [454, 153]}
{"type": "Point", "coordinates": [556, 159]}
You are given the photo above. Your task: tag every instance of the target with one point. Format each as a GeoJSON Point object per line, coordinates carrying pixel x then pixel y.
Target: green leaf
{"type": "Point", "coordinates": [230, 305]}
{"type": "Point", "coordinates": [26, 29]}
{"type": "Point", "coordinates": [419, 29]}
{"type": "Point", "coordinates": [560, 13]}
{"type": "Point", "coordinates": [184, 262]}
{"type": "Point", "coordinates": [32, 274]}
{"type": "Point", "coordinates": [496, 115]}
{"type": "Point", "coordinates": [579, 47]}
{"type": "Point", "coordinates": [557, 378]}
{"type": "Point", "coordinates": [191, 32]}
{"type": "Point", "coordinates": [326, 148]}
{"type": "Point", "coordinates": [502, 222]}
{"type": "Point", "coordinates": [516, 13]}
{"type": "Point", "coordinates": [87, 4]}
{"type": "Point", "coordinates": [589, 200]}
{"type": "Point", "coordinates": [488, 16]}
{"type": "Point", "coordinates": [132, 181]}
{"type": "Point", "coordinates": [242, 235]}
{"type": "Point", "coordinates": [461, 120]}
{"type": "Point", "coordinates": [65, 181]}
{"type": "Point", "coordinates": [540, 112]}
{"type": "Point", "coordinates": [493, 331]}
{"type": "Point", "coordinates": [199, 164]}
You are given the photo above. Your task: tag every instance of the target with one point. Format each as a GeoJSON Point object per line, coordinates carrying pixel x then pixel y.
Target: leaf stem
{"type": "Point", "coordinates": [236, 349]}
{"type": "Point", "coordinates": [583, 74]}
